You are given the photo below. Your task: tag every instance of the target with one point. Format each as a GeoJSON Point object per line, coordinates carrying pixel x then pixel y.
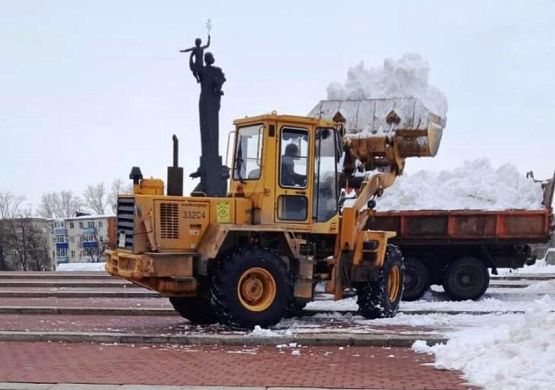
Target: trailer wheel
{"type": "Point", "coordinates": [250, 287]}
{"type": "Point", "coordinates": [380, 298]}
{"type": "Point", "coordinates": [466, 278]}
{"type": "Point", "coordinates": [195, 309]}
{"type": "Point", "coordinates": [417, 279]}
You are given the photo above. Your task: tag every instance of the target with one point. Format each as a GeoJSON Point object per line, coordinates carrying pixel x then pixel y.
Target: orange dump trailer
{"type": "Point", "coordinates": [455, 248]}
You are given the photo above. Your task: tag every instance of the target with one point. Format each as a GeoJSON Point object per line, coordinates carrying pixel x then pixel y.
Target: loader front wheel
{"type": "Point", "coordinates": [380, 298]}
{"type": "Point", "coordinates": [250, 287]}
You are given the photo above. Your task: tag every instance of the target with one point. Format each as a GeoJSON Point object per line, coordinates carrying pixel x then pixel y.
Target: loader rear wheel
{"type": "Point", "coordinates": [380, 298]}
{"type": "Point", "coordinates": [195, 309]}
{"type": "Point", "coordinates": [417, 279]}
{"type": "Point", "coordinates": [466, 278]}
{"type": "Point", "coordinates": [250, 287]}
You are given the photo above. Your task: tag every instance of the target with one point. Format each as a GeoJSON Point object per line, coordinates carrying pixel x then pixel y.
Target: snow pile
{"type": "Point", "coordinates": [513, 353]}
{"type": "Point", "coordinates": [81, 267]}
{"type": "Point", "coordinates": [262, 332]}
{"type": "Point", "coordinates": [476, 186]}
{"type": "Point", "coordinates": [397, 78]}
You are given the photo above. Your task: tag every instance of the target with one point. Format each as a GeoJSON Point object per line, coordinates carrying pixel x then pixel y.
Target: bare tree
{"type": "Point", "coordinates": [22, 244]}
{"type": "Point", "coordinates": [60, 204]}
{"type": "Point", "coordinates": [96, 198]}
{"type": "Point", "coordinates": [28, 245]}
{"type": "Point", "coordinates": [10, 206]}
{"type": "Point", "coordinates": [96, 253]}
{"type": "Point", "coordinates": [118, 187]}
{"type": "Point", "coordinates": [3, 244]}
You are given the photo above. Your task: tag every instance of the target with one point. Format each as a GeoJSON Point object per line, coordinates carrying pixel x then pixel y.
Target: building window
{"type": "Point", "coordinates": [81, 225]}
{"type": "Point", "coordinates": [99, 224]}
{"type": "Point", "coordinates": [91, 224]}
{"type": "Point", "coordinates": [61, 252]}
{"type": "Point", "coordinates": [60, 239]}
{"type": "Point", "coordinates": [71, 225]}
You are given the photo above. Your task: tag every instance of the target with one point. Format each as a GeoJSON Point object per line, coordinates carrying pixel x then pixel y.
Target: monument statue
{"type": "Point", "coordinates": [211, 80]}
{"type": "Point", "coordinates": [213, 175]}
{"type": "Point", "coordinates": [198, 52]}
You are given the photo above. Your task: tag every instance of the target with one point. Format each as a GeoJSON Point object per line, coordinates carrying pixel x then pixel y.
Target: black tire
{"type": "Point", "coordinates": [195, 309]}
{"type": "Point", "coordinates": [466, 278]}
{"type": "Point", "coordinates": [417, 279]}
{"type": "Point", "coordinates": [380, 299]}
{"type": "Point", "coordinates": [294, 308]}
{"type": "Point", "coordinates": [242, 285]}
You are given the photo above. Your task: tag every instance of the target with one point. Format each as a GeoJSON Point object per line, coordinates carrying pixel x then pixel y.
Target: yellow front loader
{"type": "Point", "coordinates": [255, 256]}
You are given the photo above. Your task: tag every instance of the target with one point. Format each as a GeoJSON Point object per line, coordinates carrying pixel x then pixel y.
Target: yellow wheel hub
{"type": "Point", "coordinates": [256, 289]}
{"type": "Point", "coordinates": [394, 283]}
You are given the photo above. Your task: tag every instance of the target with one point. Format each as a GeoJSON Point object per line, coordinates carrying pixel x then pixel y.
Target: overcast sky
{"type": "Point", "coordinates": [89, 89]}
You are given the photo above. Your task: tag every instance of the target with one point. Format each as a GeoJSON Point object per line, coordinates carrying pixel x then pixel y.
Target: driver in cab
{"type": "Point", "coordinates": [289, 177]}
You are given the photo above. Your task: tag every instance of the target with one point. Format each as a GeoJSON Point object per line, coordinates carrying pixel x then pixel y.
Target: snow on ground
{"type": "Point", "coordinates": [397, 78]}
{"type": "Point", "coordinates": [475, 185]}
{"type": "Point", "coordinates": [506, 340]}
{"type": "Point", "coordinates": [80, 267]}
{"type": "Point", "coordinates": [504, 351]}
{"type": "Point", "coordinates": [539, 267]}
{"type": "Point", "coordinates": [435, 301]}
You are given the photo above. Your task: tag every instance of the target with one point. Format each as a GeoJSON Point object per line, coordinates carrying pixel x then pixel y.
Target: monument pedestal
{"type": "Point", "coordinates": [213, 177]}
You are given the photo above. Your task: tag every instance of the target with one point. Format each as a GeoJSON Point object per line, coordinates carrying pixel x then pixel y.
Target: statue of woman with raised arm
{"type": "Point", "coordinates": [211, 80]}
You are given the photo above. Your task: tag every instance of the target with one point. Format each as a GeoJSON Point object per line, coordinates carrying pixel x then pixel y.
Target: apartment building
{"type": "Point", "coordinates": [80, 239]}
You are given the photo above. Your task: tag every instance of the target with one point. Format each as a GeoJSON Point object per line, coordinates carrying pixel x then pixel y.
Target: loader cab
{"type": "Point", "coordinates": [287, 166]}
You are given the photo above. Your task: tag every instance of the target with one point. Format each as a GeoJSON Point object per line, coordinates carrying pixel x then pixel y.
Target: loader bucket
{"type": "Point", "coordinates": [375, 126]}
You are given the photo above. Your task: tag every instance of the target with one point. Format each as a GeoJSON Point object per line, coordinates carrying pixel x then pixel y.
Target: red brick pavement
{"type": "Point", "coordinates": [161, 325]}
{"type": "Point", "coordinates": [87, 302]}
{"type": "Point", "coordinates": [99, 323]}
{"type": "Point", "coordinates": [348, 367]}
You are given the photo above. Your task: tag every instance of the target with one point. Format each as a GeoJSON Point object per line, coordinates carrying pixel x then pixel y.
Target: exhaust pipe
{"type": "Point", "coordinates": [175, 173]}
